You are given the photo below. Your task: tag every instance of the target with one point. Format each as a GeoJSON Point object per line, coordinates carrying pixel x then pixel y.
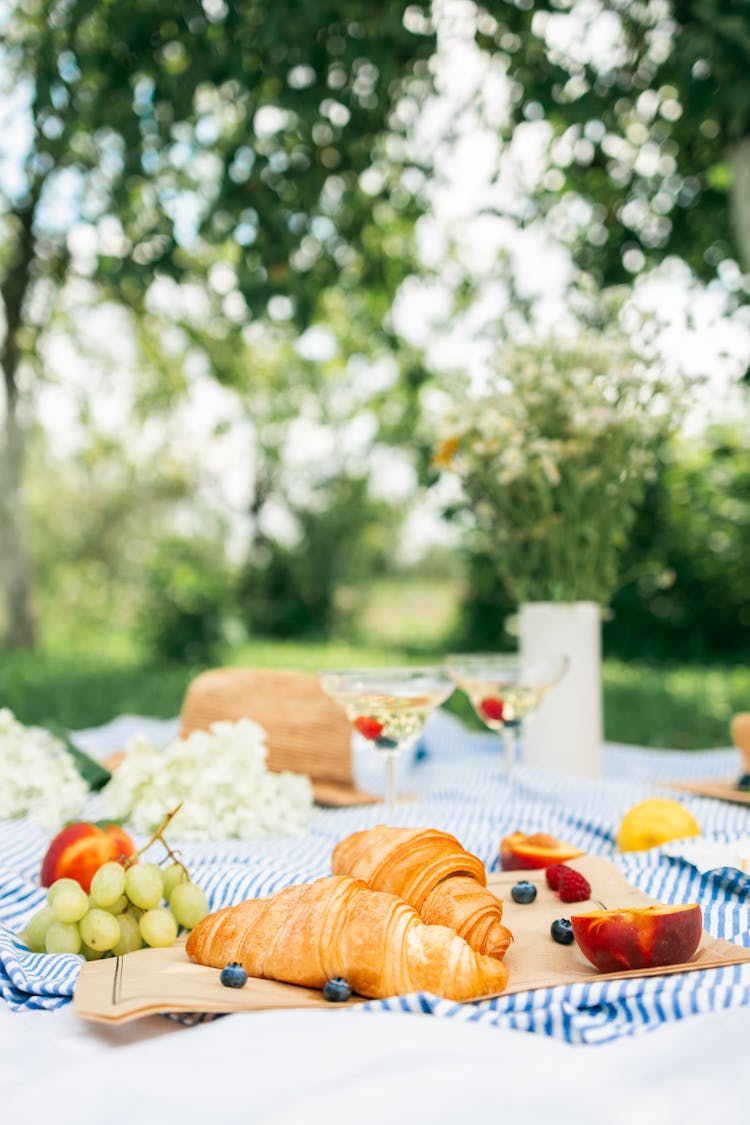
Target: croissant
{"type": "Point", "coordinates": [338, 927]}
{"type": "Point", "coordinates": [431, 871]}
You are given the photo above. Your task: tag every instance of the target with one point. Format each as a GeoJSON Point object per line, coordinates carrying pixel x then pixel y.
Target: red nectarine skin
{"type": "Point", "coordinates": [79, 850]}
{"type": "Point", "coordinates": [643, 938]}
{"type": "Point", "coordinates": [519, 852]}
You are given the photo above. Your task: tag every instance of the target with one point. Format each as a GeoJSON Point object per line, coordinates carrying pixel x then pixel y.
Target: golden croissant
{"type": "Point", "coordinates": [431, 871]}
{"type": "Point", "coordinates": [338, 927]}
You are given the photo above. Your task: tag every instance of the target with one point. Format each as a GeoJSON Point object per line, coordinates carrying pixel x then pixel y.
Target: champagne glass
{"type": "Point", "coordinates": [504, 690]}
{"type": "Point", "coordinates": [388, 707]}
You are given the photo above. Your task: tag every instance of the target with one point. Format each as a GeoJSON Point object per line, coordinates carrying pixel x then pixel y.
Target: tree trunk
{"type": "Point", "coordinates": [20, 629]}
{"type": "Point", "coordinates": [19, 621]}
{"type": "Point", "coordinates": [739, 200]}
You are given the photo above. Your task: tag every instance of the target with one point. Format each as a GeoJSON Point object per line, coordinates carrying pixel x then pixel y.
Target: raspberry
{"type": "Point", "coordinates": [368, 726]}
{"type": "Point", "coordinates": [553, 873]}
{"type": "Point", "coordinates": [573, 887]}
{"type": "Point", "coordinates": [491, 708]}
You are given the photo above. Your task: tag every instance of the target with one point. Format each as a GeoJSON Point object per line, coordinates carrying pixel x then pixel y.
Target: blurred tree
{"type": "Point", "coordinates": [236, 150]}
{"type": "Point", "coordinates": [187, 604]}
{"type": "Point", "coordinates": [98, 520]}
{"type": "Point", "coordinates": [290, 590]}
{"type": "Point", "coordinates": [312, 431]}
{"type": "Point", "coordinates": [648, 107]}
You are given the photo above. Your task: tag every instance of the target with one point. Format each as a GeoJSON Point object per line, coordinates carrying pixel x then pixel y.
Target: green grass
{"type": "Point", "coordinates": [674, 707]}
{"type": "Point", "coordinates": [87, 688]}
{"type": "Point", "coordinates": [683, 707]}
{"type": "Point", "coordinates": [410, 615]}
{"type": "Point", "coordinates": [81, 690]}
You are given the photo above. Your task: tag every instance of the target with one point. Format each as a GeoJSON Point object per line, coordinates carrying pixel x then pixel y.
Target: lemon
{"type": "Point", "coordinates": [655, 821]}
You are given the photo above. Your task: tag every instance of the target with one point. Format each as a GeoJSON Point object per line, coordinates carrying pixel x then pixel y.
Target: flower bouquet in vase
{"type": "Point", "coordinates": [552, 457]}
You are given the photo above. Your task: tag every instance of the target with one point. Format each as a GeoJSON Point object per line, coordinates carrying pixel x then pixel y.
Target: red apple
{"type": "Point", "coordinates": [639, 938]}
{"type": "Point", "coordinates": [79, 850]}
{"type": "Point", "coordinates": [519, 852]}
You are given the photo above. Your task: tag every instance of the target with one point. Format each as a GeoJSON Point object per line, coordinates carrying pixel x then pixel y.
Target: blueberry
{"type": "Point", "coordinates": [336, 990]}
{"type": "Point", "coordinates": [523, 892]}
{"type": "Point", "coordinates": [233, 975]}
{"type": "Point", "coordinates": [744, 782]}
{"type": "Point", "coordinates": [562, 931]}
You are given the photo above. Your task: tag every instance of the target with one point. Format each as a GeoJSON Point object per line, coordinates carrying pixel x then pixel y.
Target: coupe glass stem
{"type": "Point", "coordinates": [391, 773]}
{"type": "Point", "coordinates": [510, 734]}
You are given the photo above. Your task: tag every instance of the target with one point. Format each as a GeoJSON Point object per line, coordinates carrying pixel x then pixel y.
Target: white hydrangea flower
{"type": "Point", "coordinates": [220, 776]}
{"type": "Point", "coordinates": [38, 777]}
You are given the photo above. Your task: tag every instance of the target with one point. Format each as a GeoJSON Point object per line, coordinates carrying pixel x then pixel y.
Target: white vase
{"type": "Point", "coordinates": [565, 734]}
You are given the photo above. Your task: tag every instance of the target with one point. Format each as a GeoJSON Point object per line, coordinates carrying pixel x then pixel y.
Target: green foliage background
{"type": "Point", "coordinates": [158, 115]}
{"type": "Point", "coordinates": [689, 597]}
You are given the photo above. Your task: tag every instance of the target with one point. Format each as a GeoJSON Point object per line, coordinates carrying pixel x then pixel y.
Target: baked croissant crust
{"type": "Point", "coordinates": [431, 871]}
{"type": "Point", "coordinates": [339, 927]}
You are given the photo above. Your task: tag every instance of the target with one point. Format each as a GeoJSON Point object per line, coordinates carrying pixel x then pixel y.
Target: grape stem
{"type": "Point", "coordinates": [159, 835]}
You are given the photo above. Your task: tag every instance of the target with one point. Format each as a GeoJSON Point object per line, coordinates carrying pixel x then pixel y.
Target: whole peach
{"type": "Point", "coordinates": [80, 849]}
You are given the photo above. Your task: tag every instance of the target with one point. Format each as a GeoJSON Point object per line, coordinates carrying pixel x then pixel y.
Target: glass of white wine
{"type": "Point", "coordinates": [388, 707]}
{"type": "Point", "coordinates": [504, 689]}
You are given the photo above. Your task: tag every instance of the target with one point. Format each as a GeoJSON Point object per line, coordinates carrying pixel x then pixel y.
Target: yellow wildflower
{"type": "Point", "coordinates": [445, 452]}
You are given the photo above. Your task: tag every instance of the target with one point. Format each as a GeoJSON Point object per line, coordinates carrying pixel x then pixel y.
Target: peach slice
{"type": "Point", "coordinates": [639, 938]}
{"type": "Point", "coordinates": [519, 852]}
{"type": "Point", "coordinates": [80, 849]}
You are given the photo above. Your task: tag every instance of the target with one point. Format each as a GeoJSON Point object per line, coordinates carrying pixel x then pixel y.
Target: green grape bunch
{"type": "Point", "coordinates": [129, 906]}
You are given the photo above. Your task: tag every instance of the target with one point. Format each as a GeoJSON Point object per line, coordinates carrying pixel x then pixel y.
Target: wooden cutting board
{"type": "Point", "coordinates": [535, 961]}
{"type": "Point", "coordinates": [720, 789]}
{"type": "Point", "coordinates": [153, 981]}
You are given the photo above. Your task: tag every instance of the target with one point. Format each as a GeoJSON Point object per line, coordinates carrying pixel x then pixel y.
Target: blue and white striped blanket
{"type": "Point", "coordinates": [459, 783]}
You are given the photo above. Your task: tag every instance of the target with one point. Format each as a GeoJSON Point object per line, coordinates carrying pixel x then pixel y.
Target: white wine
{"type": "Point", "coordinates": [502, 689]}
{"type": "Point", "coordinates": [388, 720]}
{"type": "Point", "coordinates": [497, 702]}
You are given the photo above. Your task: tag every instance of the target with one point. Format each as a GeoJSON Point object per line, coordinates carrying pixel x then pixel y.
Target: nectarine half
{"type": "Point", "coordinates": [519, 852]}
{"type": "Point", "coordinates": [639, 938]}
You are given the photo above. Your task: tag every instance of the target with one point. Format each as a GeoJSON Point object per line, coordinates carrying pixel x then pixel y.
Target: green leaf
{"type": "Point", "coordinates": [93, 773]}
